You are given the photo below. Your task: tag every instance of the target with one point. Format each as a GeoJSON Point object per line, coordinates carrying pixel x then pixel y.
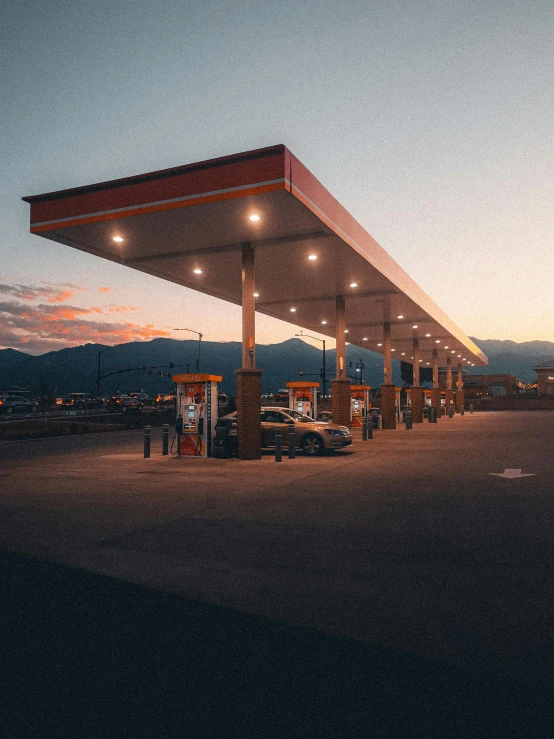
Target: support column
{"type": "Point", "coordinates": [417, 391]}
{"type": "Point", "coordinates": [449, 394]}
{"type": "Point", "coordinates": [388, 390]}
{"type": "Point", "coordinates": [436, 391]}
{"type": "Point", "coordinates": [249, 379]}
{"type": "Point", "coordinates": [459, 390]}
{"type": "Point", "coordinates": [340, 401]}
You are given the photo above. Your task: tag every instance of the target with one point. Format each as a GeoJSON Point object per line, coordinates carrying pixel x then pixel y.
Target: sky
{"type": "Point", "coordinates": [431, 122]}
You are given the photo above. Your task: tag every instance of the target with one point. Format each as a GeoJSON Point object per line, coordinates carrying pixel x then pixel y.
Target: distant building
{"type": "Point", "coordinates": [545, 374]}
{"type": "Point", "coordinates": [482, 386]}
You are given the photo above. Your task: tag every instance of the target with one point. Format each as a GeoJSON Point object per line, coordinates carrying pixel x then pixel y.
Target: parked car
{"type": "Point", "coordinates": [124, 403]}
{"type": "Point", "coordinates": [144, 398]}
{"type": "Point", "coordinates": [281, 395]}
{"type": "Point", "coordinates": [79, 400]}
{"type": "Point", "coordinates": [165, 400]}
{"type": "Point", "coordinates": [17, 404]}
{"type": "Point", "coordinates": [313, 437]}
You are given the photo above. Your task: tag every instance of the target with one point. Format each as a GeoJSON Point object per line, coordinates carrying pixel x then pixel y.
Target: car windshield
{"type": "Point", "coordinates": [300, 417]}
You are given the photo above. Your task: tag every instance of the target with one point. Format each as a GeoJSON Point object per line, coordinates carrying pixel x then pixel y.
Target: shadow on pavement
{"type": "Point", "coordinates": [89, 656]}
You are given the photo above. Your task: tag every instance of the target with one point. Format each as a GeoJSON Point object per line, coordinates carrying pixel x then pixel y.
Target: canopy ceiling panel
{"type": "Point", "coordinates": [187, 225]}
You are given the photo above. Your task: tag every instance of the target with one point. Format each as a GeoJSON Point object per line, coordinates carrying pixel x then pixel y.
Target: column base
{"type": "Point", "coordinates": [417, 404]}
{"type": "Point", "coordinates": [436, 400]}
{"type": "Point", "coordinates": [460, 397]}
{"type": "Point", "coordinates": [249, 403]}
{"type": "Point", "coordinates": [448, 399]}
{"type": "Point", "coordinates": [341, 402]}
{"type": "Point", "coordinates": [388, 406]}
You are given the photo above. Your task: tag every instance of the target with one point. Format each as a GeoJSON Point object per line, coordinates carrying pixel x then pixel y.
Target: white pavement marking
{"type": "Point", "coordinates": [511, 474]}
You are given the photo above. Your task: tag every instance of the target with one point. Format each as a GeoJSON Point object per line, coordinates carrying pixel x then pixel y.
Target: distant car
{"type": "Point", "coordinates": [165, 400]}
{"type": "Point", "coordinates": [313, 437]}
{"type": "Point", "coordinates": [325, 416]}
{"type": "Point", "coordinates": [144, 398]}
{"type": "Point", "coordinates": [124, 403]}
{"type": "Point", "coordinates": [17, 404]}
{"type": "Point", "coordinates": [281, 395]}
{"type": "Point", "coordinates": [79, 400]}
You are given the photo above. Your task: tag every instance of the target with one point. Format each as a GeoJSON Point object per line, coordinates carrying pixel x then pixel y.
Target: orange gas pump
{"type": "Point", "coordinates": [196, 414]}
{"type": "Point", "coordinates": [359, 404]}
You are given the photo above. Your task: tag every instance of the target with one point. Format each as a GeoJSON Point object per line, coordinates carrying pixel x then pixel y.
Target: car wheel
{"type": "Point", "coordinates": [33, 409]}
{"type": "Point", "coordinates": [312, 445]}
{"type": "Point", "coordinates": [124, 409]}
{"type": "Point", "coordinates": [9, 410]}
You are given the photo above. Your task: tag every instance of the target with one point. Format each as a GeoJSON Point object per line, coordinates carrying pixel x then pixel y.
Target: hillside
{"type": "Point", "coordinates": [74, 370]}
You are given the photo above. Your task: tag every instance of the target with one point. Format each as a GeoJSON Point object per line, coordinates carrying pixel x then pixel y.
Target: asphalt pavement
{"type": "Point", "coordinates": [398, 589]}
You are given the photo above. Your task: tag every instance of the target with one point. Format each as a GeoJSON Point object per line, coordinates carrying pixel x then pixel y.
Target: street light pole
{"type": "Point", "coordinates": [324, 367]}
{"type": "Point", "coordinates": [199, 360]}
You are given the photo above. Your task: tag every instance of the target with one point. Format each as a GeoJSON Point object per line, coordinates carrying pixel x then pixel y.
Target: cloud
{"type": "Point", "coordinates": [51, 293]}
{"type": "Point", "coordinates": [41, 328]}
{"type": "Point", "coordinates": [104, 289]}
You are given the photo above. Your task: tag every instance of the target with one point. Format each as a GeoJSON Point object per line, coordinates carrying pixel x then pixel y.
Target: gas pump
{"type": "Point", "coordinates": [359, 404]}
{"type": "Point", "coordinates": [303, 397]}
{"type": "Point", "coordinates": [397, 401]}
{"type": "Point", "coordinates": [196, 414]}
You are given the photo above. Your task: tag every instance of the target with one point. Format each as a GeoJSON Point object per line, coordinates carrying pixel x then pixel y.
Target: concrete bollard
{"type": "Point", "coordinates": [471, 407]}
{"type": "Point", "coordinates": [292, 441]}
{"type": "Point", "coordinates": [165, 439]}
{"type": "Point", "coordinates": [432, 414]}
{"type": "Point", "coordinates": [451, 410]}
{"type": "Point", "coordinates": [462, 410]}
{"type": "Point", "coordinates": [364, 428]}
{"type": "Point", "coordinates": [147, 430]}
{"type": "Point", "coordinates": [408, 420]}
{"type": "Point", "coordinates": [278, 444]}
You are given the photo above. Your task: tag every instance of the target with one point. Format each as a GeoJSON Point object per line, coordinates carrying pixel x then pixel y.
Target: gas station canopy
{"type": "Point", "coordinates": [188, 224]}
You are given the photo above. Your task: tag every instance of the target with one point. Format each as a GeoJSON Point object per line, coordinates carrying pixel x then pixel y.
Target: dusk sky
{"type": "Point", "coordinates": [431, 122]}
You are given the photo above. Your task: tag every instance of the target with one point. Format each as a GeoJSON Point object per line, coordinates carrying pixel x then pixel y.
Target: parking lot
{"type": "Point", "coordinates": [407, 545]}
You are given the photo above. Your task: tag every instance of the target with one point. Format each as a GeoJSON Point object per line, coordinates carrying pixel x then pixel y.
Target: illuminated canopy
{"type": "Point", "coordinates": [187, 225]}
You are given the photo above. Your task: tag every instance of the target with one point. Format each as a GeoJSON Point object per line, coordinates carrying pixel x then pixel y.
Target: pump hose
{"type": "Point", "coordinates": [174, 453]}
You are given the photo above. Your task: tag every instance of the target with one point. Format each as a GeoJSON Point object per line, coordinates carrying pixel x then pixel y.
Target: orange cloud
{"type": "Point", "coordinates": [104, 289]}
{"type": "Point", "coordinates": [46, 327]}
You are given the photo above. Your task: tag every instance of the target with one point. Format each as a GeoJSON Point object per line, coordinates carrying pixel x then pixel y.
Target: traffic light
{"type": "Point", "coordinates": [301, 373]}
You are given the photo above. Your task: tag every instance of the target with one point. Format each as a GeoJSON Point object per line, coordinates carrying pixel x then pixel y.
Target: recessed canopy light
{"type": "Point", "coordinates": [323, 323]}
{"type": "Point", "coordinates": [446, 347]}
{"type": "Point", "coordinates": [312, 257]}
{"type": "Point", "coordinates": [197, 271]}
{"type": "Point", "coordinates": [365, 338]}
{"type": "Point", "coordinates": [353, 284]}
{"type": "Point", "coordinates": [428, 362]}
{"type": "Point", "coordinates": [415, 325]}
{"type": "Point", "coordinates": [256, 295]}
{"type": "Point", "coordinates": [118, 239]}
{"type": "Point", "coordinates": [403, 353]}
{"type": "Point", "coordinates": [379, 345]}
{"type": "Point", "coordinates": [345, 330]}
{"type": "Point", "coordinates": [421, 360]}
{"type": "Point", "coordinates": [459, 355]}
{"type": "Point", "coordinates": [254, 217]}
{"type": "Point", "coordinates": [427, 335]}
{"type": "Point", "coordinates": [393, 350]}
{"type": "Point", "coordinates": [400, 316]}
{"type": "Point", "coordinates": [293, 310]}
{"type": "Point", "coordinates": [452, 352]}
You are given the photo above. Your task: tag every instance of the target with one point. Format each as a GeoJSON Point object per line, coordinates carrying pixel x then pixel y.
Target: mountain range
{"type": "Point", "coordinates": [75, 369]}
